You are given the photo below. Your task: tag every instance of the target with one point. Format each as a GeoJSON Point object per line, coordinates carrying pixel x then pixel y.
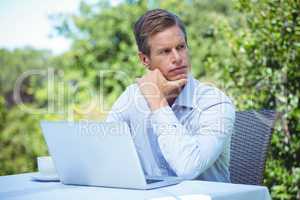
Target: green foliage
{"type": "Point", "coordinates": [273, 51]}
{"type": "Point", "coordinates": [20, 141]}
{"type": "Point", "coordinates": [14, 63]}
{"type": "Point", "coordinates": [250, 49]}
{"type": "Point", "coordinates": [20, 138]}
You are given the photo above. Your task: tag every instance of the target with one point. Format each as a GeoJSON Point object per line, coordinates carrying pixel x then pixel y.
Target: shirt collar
{"type": "Point", "coordinates": [185, 98]}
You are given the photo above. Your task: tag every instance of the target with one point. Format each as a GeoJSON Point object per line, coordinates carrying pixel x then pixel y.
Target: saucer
{"type": "Point", "coordinates": [44, 177]}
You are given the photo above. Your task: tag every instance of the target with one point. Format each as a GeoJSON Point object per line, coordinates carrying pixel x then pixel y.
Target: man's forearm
{"type": "Point", "coordinates": [189, 152]}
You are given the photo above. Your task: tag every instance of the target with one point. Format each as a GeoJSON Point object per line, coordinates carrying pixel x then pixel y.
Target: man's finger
{"type": "Point", "coordinates": [181, 82]}
{"type": "Point", "coordinates": [179, 76]}
{"type": "Point", "coordinates": [178, 83]}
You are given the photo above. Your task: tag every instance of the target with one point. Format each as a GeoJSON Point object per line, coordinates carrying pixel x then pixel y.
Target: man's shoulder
{"type": "Point", "coordinates": [133, 97]}
{"type": "Point", "coordinates": [130, 89]}
{"type": "Point", "coordinates": [208, 94]}
{"type": "Point", "coordinates": [127, 103]}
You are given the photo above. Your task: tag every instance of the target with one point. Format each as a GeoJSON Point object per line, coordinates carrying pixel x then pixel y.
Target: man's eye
{"type": "Point", "coordinates": [182, 46]}
{"type": "Point", "coordinates": [166, 51]}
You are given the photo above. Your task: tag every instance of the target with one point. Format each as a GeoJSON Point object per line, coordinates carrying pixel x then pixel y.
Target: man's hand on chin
{"type": "Point", "coordinates": [158, 90]}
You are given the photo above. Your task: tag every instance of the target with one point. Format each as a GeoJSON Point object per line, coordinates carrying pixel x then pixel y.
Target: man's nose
{"type": "Point", "coordinates": [176, 56]}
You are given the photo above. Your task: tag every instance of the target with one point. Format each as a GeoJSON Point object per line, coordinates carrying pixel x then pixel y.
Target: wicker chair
{"type": "Point", "coordinates": [249, 146]}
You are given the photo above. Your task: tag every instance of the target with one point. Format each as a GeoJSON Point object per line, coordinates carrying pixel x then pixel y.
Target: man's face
{"type": "Point", "coordinates": [168, 53]}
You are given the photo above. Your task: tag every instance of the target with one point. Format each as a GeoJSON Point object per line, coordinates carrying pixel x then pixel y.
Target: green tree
{"type": "Point", "coordinates": [272, 48]}
{"type": "Point", "coordinates": [20, 138]}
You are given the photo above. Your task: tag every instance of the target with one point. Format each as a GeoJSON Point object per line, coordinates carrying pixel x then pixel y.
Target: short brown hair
{"type": "Point", "coordinates": [152, 22]}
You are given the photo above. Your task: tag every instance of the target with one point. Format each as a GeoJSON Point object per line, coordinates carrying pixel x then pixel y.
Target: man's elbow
{"type": "Point", "coordinates": [190, 170]}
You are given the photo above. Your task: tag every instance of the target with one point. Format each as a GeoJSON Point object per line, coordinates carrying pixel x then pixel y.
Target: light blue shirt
{"type": "Point", "coordinates": [190, 139]}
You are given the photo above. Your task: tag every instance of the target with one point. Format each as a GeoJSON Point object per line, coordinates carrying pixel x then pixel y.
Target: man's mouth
{"type": "Point", "coordinates": [178, 70]}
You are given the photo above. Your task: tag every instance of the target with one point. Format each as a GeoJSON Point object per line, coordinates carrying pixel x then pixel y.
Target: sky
{"type": "Point", "coordinates": [26, 23]}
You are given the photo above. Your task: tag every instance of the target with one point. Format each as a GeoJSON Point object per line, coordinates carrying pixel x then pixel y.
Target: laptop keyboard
{"type": "Point", "coordinates": [148, 181]}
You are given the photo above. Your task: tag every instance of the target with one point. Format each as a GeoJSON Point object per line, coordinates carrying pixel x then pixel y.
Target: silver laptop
{"type": "Point", "coordinates": [97, 154]}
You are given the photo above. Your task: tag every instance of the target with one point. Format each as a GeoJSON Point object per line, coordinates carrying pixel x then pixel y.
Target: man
{"type": "Point", "coordinates": [180, 126]}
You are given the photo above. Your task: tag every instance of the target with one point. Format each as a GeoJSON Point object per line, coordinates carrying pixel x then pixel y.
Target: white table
{"type": "Point", "coordinates": [21, 187]}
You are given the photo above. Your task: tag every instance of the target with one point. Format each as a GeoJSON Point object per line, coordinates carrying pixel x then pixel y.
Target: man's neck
{"type": "Point", "coordinates": [173, 97]}
{"type": "Point", "coordinates": [171, 101]}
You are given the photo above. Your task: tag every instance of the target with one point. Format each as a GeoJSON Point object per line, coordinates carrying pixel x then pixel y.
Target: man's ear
{"type": "Point", "coordinates": [145, 60]}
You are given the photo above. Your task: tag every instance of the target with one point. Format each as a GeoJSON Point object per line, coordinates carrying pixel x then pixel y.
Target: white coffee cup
{"type": "Point", "coordinates": [46, 165]}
